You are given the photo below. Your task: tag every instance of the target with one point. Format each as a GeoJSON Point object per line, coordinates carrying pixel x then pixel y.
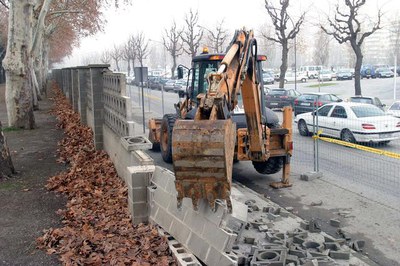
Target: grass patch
{"type": "Point", "coordinates": [322, 85]}
{"type": "Point", "coordinates": [11, 129]}
{"type": "Point", "coordinates": [10, 185]}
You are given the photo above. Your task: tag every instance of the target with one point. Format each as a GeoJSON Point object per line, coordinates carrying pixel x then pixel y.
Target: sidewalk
{"type": "Point", "coordinates": [27, 207]}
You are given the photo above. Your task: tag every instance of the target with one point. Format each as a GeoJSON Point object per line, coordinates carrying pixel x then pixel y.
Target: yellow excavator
{"type": "Point", "coordinates": [222, 120]}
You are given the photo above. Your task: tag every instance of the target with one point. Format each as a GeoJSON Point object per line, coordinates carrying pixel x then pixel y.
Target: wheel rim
{"type": "Point", "coordinates": [303, 127]}
{"type": "Point", "coordinates": [347, 137]}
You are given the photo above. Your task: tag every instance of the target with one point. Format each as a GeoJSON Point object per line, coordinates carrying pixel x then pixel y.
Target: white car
{"type": "Point", "coordinates": [325, 75]}
{"type": "Point", "coordinates": [394, 109]}
{"type": "Point", "coordinates": [300, 77]}
{"type": "Point", "coordinates": [352, 122]}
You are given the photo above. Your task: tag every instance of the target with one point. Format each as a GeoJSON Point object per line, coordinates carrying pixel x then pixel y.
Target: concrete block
{"type": "Point", "coordinates": [178, 213]}
{"type": "Point", "coordinates": [309, 176]}
{"type": "Point", "coordinates": [198, 246]}
{"type": "Point", "coordinates": [137, 194]}
{"type": "Point", "coordinates": [334, 222]}
{"type": "Point", "coordinates": [339, 255]}
{"type": "Point", "coordinates": [136, 143]}
{"type": "Point", "coordinates": [163, 218]}
{"type": "Point", "coordinates": [218, 237]}
{"type": "Point", "coordinates": [139, 176]}
{"type": "Point", "coordinates": [195, 220]}
{"type": "Point", "coordinates": [228, 260]}
{"type": "Point", "coordinates": [179, 230]}
{"type": "Point", "coordinates": [138, 209]}
{"type": "Point", "coordinates": [160, 176]}
{"type": "Point", "coordinates": [153, 211]}
{"type": "Point", "coordinates": [213, 257]}
{"type": "Point", "coordinates": [141, 158]}
{"type": "Point", "coordinates": [213, 217]}
{"type": "Point", "coordinates": [162, 198]}
{"type": "Point", "coordinates": [138, 220]}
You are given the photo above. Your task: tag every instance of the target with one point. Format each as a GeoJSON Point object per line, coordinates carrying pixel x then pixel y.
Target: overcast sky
{"type": "Point", "coordinates": [153, 16]}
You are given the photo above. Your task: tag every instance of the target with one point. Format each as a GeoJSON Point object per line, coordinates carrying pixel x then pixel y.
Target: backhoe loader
{"type": "Point", "coordinates": [221, 119]}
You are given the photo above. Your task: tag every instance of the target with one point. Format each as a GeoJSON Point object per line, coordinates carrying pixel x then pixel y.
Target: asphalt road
{"type": "Point", "coordinates": [365, 177]}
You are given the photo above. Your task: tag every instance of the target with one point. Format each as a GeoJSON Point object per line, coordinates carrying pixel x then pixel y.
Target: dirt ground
{"type": "Point", "coordinates": [26, 207]}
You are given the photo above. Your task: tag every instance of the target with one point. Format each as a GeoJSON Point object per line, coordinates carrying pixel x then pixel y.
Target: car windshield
{"type": "Point", "coordinates": [395, 106]}
{"type": "Point", "coordinates": [325, 72]}
{"type": "Point", "coordinates": [277, 92]}
{"type": "Point", "coordinates": [384, 70]}
{"type": "Point", "coordinates": [346, 71]}
{"type": "Point", "coordinates": [367, 111]}
{"type": "Point", "coordinates": [361, 100]}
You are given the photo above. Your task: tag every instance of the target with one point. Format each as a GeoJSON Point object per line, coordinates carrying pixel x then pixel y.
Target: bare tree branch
{"type": "Point", "coordinates": [190, 37]}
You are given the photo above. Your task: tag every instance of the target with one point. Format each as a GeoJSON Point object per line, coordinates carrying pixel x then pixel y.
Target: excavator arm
{"type": "Point", "coordinates": [203, 148]}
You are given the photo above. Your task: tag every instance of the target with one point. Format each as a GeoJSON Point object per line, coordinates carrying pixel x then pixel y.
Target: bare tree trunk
{"type": "Point", "coordinates": [6, 165]}
{"type": "Point", "coordinates": [284, 65]}
{"type": "Point", "coordinates": [17, 64]}
{"type": "Point", "coordinates": [357, 68]}
{"type": "Point", "coordinates": [173, 67]}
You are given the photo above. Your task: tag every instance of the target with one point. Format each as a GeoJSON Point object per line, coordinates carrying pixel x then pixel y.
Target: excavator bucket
{"type": "Point", "coordinates": [202, 153]}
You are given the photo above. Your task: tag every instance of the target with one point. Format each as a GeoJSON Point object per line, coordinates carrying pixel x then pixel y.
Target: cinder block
{"type": "Point", "coordinates": [139, 176]}
{"type": "Point", "coordinates": [138, 209]}
{"type": "Point", "coordinates": [158, 177]}
{"type": "Point", "coordinates": [195, 221]}
{"type": "Point", "coordinates": [179, 231]}
{"type": "Point", "coordinates": [218, 237]}
{"type": "Point", "coordinates": [163, 218]}
{"type": "Point", "coordinates": [162, 197]}
{"type": "Point", "coordinates": [139, 157]}
{"type": "Point", "coordinates": [178, 213]}
{"type": "Point", "coordinates": [213, 217]}
{"type": "Point", "coordinates": [137, 194]}
{"type": "Point", "coordinates": [153, 211]}
{"type": "Point", "coordinates": [198, 246]}
{"type": "Point", "coordinates": [213, 257]}
{"type": "Point", "coordinates": [339, 255]}
{"type": "Point", "coordinates": [228, 260]}
{"type": "Point", "coordinates": [138, 220]}
{"type": "Point", "coordinates": [309, 176]}
{"type": "Point", "coordinates": [334, 222]}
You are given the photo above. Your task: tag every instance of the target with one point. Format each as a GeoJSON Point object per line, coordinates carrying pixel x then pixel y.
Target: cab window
{"type": "Point", "coordinates": [339, 112]}
{"type": "Point", "coordinates": [324, 110]}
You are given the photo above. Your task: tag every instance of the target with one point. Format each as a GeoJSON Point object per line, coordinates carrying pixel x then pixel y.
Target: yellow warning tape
{"type": "Point", "coordinates": [356, 146]}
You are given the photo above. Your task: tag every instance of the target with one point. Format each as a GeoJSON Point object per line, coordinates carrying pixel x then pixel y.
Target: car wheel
{"type": "Point", "coordinates": [303, 80]}
{"type": "Point", "coordinates": [166, 137]}
{"type": "Point", "coordinates": [347, 136]}
{"type": "Point", "coordinates": [312, 77]}
{"type": "Point", "coordinates": [303, 129]}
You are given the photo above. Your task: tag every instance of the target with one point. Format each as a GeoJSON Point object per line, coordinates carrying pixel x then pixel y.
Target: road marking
{"type": "Point", "coordinates": [357, 146]}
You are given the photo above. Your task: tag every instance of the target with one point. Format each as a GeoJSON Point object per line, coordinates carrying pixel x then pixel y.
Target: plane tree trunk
{"type": "Point", "coordinates": [17, 64]}
{"type": "Point", "coordinates": [6, 165]}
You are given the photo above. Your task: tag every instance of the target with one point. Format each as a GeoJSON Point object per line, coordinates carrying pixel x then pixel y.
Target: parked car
{"type": "Point", "coordinates": [367, 71]}
{"type": "Point", "coordinates": [278, 98]}
{"type": "Point", "coordinates": [180, 85]}
{"type": "Point", "coordinates": [300, 77]}
{"type": "Point", "coordinates": [325, 75]}
{"type": "Point", "coordinates": [169, 85]}
{"type": "Point", "coordinates": [268, 78]}
{"type": "Point", "coordinates": [307, 102]}
{"type": "Point", "coordinates": [352, 122]}
{"type": "Point", "coordinates": [397, 70]}
{"type": "Point", "coordinates": [367, 99]}
{"type": "Point", "coordinates": [384, 73]}
{"type": "Point", "coordinates": [343, 74]}
{"type": "Point", "coordinates": [394, 109]}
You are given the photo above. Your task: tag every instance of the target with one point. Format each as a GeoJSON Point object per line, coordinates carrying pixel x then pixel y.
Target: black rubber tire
{"type": "Point", "coordinates": [271, 166]}
{"type": "Point", "coordinates": [167, 126]}
{"type": "Point", "coordinates": [347, 136]}
{"type": "Point", "coordinates": [302, 127]}
{"type": "Point", "coordinates": [303, 80]}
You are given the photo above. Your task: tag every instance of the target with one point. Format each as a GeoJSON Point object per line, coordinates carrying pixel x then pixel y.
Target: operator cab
{"type": "Point", "coordinates": [204, 64]}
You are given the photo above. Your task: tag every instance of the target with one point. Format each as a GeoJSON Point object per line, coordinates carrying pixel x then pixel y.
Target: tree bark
{"type": "Point", "coordinates": [17, 64]}
{"type": "Point", "coordinates": [6, 165]}
{"type": "Point", "coordinates": [357, 68]}
{"type": "Point", "coordinates": [284, 64]}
